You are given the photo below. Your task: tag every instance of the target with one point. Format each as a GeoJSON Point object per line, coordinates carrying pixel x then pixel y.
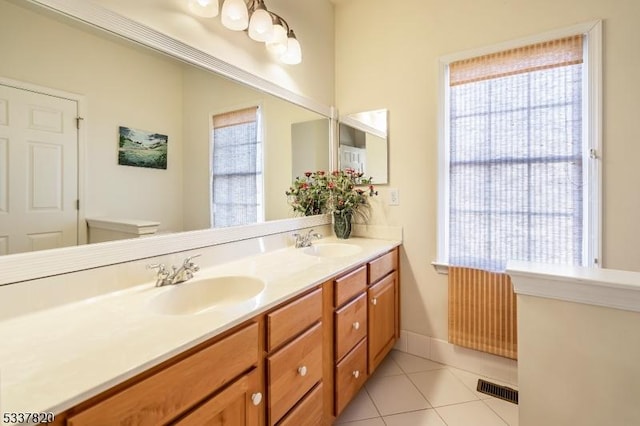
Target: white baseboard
{"type": "Point", "coordinates": [481, 363]}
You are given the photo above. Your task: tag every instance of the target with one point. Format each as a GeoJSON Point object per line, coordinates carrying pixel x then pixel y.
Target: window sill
{"type": "Point", "coordinates": [441, 267]}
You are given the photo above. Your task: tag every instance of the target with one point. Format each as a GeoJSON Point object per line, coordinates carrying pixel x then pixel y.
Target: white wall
{"type": "Point", "coordinates": [578, 364]}
{"type": "Point", "coordinates": [309, 148]}
{"type": "Point", "coordinates": [122, 87]}
{"type": "Point", "coordinates": [377, 166]}
{"type": "Point", "coordinates": [387, 57]}
{"type": "Point", "coordinates": [312, 22]}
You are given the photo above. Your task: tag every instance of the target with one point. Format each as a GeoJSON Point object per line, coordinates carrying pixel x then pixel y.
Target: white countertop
{"type": "Point", "coordinates": [53, 359]}
{"type": "Point", "coordinates": [609, 288]}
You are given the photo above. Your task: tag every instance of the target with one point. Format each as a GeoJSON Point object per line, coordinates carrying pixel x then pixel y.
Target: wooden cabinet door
{"type": "Point", "coordinates": [382, 319]}
{"type": "Point", "coordinates": [240, 404]}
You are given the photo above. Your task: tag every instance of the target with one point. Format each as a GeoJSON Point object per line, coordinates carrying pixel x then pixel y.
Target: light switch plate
{"type": "Point", "coordinates": [394, 197]}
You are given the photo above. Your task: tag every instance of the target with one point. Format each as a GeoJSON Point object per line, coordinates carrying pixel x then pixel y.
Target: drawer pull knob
{"type": "Point", "coordinates": [356, 374]}
{"type": "Point", "coordinates": [302, 371]}
{"type": "Point", "coordinates": [256, 398]}
{"type": "Point", "coordinates": [374, 300]}
{"type": "Point", "coordinates": [356, 325]}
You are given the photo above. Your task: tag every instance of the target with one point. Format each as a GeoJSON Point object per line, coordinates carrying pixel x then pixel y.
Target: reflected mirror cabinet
{"type": "Point", "coordinates": [363, 144]}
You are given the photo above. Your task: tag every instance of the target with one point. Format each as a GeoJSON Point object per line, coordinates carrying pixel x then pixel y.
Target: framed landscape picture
{"type": "Point", "coordinates": [140, 148]}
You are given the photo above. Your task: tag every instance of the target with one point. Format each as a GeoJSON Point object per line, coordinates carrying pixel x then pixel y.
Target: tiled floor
{"type": "Point", "coordinates": [407, 390]}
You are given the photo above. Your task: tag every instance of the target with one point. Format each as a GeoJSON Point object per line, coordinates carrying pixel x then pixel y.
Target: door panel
{"type": "Point", "coordinates": [38, 171]}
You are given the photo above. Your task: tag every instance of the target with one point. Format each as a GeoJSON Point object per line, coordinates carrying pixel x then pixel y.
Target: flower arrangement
{"type": "Point", "coordinates": [340, 192]}
{"type": "Point", "coordinates": [308, 194]}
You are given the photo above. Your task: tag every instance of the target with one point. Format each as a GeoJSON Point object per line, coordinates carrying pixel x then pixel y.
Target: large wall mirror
{"type": "Point", "coordinates": [363, 144]}
{"type": "Point", "coordinates": [56, 69]}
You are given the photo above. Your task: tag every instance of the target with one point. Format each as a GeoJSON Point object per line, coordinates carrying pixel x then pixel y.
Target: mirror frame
{"type": "Point", "coordinates": [41, 264]}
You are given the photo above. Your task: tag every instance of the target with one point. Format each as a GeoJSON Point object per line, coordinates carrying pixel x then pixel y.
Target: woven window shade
{"type": "Point", "coordinates": [236, 164]}
{"type": "Point", "coordinates": [234, 118]}
{"type": "Point", "coordinates": [535, 57]}
{"type": "Point", "coordinates": [515, 149]}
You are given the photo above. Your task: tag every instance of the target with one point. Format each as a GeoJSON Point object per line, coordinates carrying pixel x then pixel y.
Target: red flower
{"type": "Point", "coordinates": [331, 185]}
{"type": "Point", "coordinates": [320, 172]}
{"type": "Point", "coordinates": [307, 174]}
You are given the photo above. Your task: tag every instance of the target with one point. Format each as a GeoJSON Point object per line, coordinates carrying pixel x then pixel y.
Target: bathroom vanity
{"type": "Point", "coordinates": [293, 354]}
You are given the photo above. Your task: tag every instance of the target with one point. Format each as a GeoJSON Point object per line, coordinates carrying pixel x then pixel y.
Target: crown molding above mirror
{"type": "Point", "coordinates": [28, 266]}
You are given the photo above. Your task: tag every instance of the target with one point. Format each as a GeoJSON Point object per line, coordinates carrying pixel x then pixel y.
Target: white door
{"type": "Point", "coordinates": [38, 171]}
{"type": "Point", "coordinates": [352, 157]}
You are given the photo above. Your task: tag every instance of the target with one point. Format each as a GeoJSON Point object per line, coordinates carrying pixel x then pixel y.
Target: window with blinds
{"type": "Point", "coordinates": [516, 176]}
{"type": "Point", "coordinates": [236, 166]}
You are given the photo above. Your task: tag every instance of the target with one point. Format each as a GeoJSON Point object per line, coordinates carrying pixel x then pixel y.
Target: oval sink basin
{"type": "Point", "coordinates": [332, 250]}
{"type": "Point", "coordinates": [217, 293]}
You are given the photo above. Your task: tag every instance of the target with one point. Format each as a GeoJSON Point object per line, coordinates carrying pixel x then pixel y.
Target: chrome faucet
{"type": "Point", "coordinates": [177, 275]}
{"type": "Point", "coordinates": [304, 240]}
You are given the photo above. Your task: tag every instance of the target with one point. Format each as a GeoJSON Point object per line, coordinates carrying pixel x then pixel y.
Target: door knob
{"type": "Point", "coordinates": [374, 300]}
{"type": "Point", "coordinates": [302, 371]}
{"type": "Point", "coordinates": [356, 374]}
{"type": "Point", "coordinates": [356, 325]}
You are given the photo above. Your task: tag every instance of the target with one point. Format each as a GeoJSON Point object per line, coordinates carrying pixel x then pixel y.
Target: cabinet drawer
{"type": "Point", "coordinates": [288, 321]}
{"type": "Point", "coordinates": [308, 412]}
{"type": "Point", "coordinates": [351, 373]}
{"type": "Point", "coordinates": [351, 325]}
{"type": "Point", "coordinates": [161, 397]}
{"type": "Point", "coordinates": [381, 266]}
{"type": "Point", "coordinates": [292, 371]}
{"type": "Point", "coordinates": [350, 285]}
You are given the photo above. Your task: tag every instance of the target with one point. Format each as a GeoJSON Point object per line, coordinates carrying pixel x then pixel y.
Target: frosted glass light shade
{"type": "Point", "coordinates": [204, 8]}
{"type": "Point", "coordinates": [235, 15]}
{"type": "Point", "coordinates": [260, 25]}
{"type": "Point", "coordinates": [278, 42]}
{"type": "Point", "coordinates": [293, 54]}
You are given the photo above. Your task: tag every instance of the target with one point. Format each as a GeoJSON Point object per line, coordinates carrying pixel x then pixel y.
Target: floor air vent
{"type": "Point", "coordinates": [498, 391]}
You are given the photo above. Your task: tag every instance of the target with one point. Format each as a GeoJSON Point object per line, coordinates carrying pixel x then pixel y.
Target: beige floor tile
{"type": "Point", "coordinates": [415, 418]}
{"type": "Point", "coordinates": [360, 408]}
{"type": "Point", "coordinates": [412, 364]}
{"type": "Point", "coordinates": [441, 387]}
{"type": "Point", "coordinates": [474, 413]}
{"type": "Point", "coordinates": [388, 367]}
{"type": "Point", "coordinates": [470, 380]}
{"type": "Point", "coordinates": [506, 410]}
{"type": "Point", "coordinates": [395, 394]}
{"type": "Point", "coordinates": [369, 422]}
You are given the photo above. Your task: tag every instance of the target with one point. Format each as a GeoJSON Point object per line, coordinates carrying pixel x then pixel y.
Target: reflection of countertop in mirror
{"type": "Point", "coordinates": [56, 358]}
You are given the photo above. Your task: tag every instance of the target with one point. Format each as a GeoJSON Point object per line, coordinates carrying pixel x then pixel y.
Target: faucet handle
{"type": "Point", "coordinates": [190, 258]}
{"type": "Point", "coordinates": [159, 266]}
{"type": "Point", "coordinates": [162, 275]}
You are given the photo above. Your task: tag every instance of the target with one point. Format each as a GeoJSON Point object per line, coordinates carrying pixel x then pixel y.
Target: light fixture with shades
{"type": "Point", "coordinates": [204, 8]}
{"type": "Point", "coordinates": [235, 15]}
{"type": "Point", "coordinates": [262, 25]}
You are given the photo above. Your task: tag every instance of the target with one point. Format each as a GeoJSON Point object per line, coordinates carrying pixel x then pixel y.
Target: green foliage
{"type": "Point", "coordinates": [130, 154]}
{"type": "Point", "coordinates": [340, 192]}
